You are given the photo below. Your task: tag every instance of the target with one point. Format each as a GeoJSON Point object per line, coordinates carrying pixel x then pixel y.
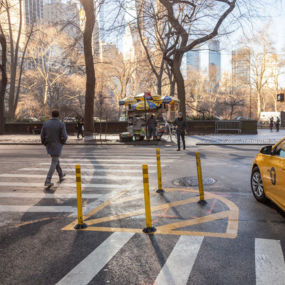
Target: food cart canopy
{"type": "Point", "coordinates": [145, 105]}
{"type": "Point", "coordinates": [169, 99]}
{"type": "Point", "coordinates": [154, 96]}
{"type": "Point", "coordinates": [127, 101]}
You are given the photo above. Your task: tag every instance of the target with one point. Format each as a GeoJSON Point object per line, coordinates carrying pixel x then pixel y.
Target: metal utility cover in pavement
{"type": "Point", "coordinates": [193, 181]}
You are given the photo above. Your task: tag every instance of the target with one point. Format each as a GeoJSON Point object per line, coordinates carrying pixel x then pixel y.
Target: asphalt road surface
{"type": "Point", "coordinates": [232, 239]}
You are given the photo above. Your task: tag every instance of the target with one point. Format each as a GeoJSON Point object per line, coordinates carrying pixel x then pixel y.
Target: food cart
{"type": "Point", "coordinates": [137, 114]}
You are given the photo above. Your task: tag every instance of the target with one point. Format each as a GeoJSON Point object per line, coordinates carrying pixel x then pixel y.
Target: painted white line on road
{"type": "Point", "coordinates": [73, 176]}
{"type": "Point", "coordinates": [37, 209]}
{"type": "Point", "coordinates": [108, 156]}
{"type": "Point", "coordinates": [91, 170]}
{"type": "Point", "coordinates": [269, 262]}
{"type": "Point", "coordinates": [105, 164]}
{"type": "Point", "coordinates": [131, 160]}
{"type": "Point", "coordinates": [179, 264]}
{"type": "Point", "coordinates": [73, 185]}
{"type": "Point", "coordinates": [88, 268]}
{"type": "Point", "coordinates": [47, 195]}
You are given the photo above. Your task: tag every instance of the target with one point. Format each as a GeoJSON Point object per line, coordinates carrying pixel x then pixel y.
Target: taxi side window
{"type": "Point", "coordinates": [280, 149]}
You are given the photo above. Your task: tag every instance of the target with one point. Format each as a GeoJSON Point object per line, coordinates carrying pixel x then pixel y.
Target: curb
{"type": "Point", "coordinates": [96, 144]}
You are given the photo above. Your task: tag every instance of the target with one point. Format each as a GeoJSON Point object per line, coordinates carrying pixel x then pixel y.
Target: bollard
{"type": "Point", "coordinates": [159, 180]}
{"type": "Point", "coordinates": [149, 228]}
{"type": "Point", "coordinates": [80, 224]}
{"type": "Point", "coordinates": [200, 178]}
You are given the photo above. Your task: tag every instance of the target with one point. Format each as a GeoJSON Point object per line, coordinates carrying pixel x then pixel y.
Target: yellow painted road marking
{"type": "Point", "coordinates": [232, 214]}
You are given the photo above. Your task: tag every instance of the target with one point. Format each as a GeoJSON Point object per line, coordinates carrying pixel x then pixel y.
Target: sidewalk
{"type": "Point", "coordinates": [264, 137]}
{"type": "Point", "coordinates": [73, 140]}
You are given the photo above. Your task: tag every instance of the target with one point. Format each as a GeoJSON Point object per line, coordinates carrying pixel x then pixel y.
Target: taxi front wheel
{"type": "Point", "coordinates": [257, 186]}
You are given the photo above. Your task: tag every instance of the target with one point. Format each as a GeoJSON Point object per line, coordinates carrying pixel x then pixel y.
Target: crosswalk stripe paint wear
{"type": "Point", "coordinates": [106, 164]}
{"type": "Point", "coordinates": [73, 176]}
{"type": "Point", "coordinates": [88, 268]}
{"type": "Point", "coordinates": [179, 265]}
{"type": "Point", "coordinates": [269, 262]}
{"type": "Point", "coordinates": [92, 170]}
{"type": "Point", "coordinates": [62, 185]}
{"type": "Point", "coordinates": [47, 195]}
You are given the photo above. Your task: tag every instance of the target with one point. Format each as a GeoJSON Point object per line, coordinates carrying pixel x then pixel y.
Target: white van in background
{"type": "Point", "coordinates": [265, 116]}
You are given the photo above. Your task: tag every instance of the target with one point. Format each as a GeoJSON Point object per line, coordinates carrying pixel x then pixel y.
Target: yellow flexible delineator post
{"type": "Point", "coordinates": [149, 228]}
{"type": "Point", "coordinates": [159, 179]}
{"type": "Point", "coordinates": [80, 224]}
{"type": "Point", "coordinates": [200, 177]}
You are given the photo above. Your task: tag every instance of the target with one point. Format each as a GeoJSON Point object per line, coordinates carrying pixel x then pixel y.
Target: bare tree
{"type": "Point", "coordinates": [90, 71]}
{"type": "Point", "coordinates": [261, 62]}
{"type": "Point", "coordinates": [3, 81]}
{"type": "Point", "coordinates": [18, 40]}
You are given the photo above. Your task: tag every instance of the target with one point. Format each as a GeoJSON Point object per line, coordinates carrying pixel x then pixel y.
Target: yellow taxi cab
{"type": "Point", "coordinates": [268, 174]}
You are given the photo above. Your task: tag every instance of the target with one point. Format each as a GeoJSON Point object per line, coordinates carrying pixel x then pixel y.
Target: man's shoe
{"type": "Point", "coordinates": [178, 149]}
{"type": "Point", "coordinates": [61, 178]}
{"type": "Point", "coordinates": [49, 184]}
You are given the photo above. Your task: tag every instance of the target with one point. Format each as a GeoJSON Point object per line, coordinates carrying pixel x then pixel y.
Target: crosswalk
{"type": "Point", "coordinates": [178, 267]}
{"type": "Point", "coordinates": [104, 174]}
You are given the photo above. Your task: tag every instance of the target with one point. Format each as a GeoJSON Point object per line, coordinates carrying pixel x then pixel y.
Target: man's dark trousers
{"type": "Point", "coordinates": [183, 140]}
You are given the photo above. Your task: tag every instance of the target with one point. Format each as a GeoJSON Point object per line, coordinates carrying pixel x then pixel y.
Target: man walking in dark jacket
{"type": "Point", "coordinates": [151, 125]}
{"type": "Point", "coordinates": [54, 136]}
{"type": "Point", "coordinates": [180, 124]}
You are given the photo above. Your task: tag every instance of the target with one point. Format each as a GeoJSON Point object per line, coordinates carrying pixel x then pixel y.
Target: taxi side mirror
{"type": "Point", "coordinates": [266, 149]}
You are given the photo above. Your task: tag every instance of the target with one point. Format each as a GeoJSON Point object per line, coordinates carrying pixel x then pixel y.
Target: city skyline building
{"type": "Point", "coordinates": [215, 61]}
{"type": "Point", "coordinates": [240, 67]}
{"type": "Point", "coordinates": [271, 70]}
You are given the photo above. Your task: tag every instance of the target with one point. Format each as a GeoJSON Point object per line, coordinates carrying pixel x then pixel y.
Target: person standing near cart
{"type": "Point", "coordinates": [271, 124]}
{"type": "Point", "coordinates": [277, 124]}
{"type": "Point", "coordinates": [181, 125]}
{"type": "Point", "coordinates": [151, 125]}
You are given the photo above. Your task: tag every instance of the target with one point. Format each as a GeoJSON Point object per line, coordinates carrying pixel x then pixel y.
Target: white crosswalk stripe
{"type": "Point", "coordinates": [105, 164]}
{"type": "Point", "coordinates": [179, 264]}
{"type": "Point", "coordinates": [88, 268]}
{"type": "Point", "coordinates": [91, 170]}
{"type": "Point", "coordinates": [113, 177]}
{"type": "Point", "coordinates": [269, 262]}
{"type": "Point", "coordinates": [68, 185]}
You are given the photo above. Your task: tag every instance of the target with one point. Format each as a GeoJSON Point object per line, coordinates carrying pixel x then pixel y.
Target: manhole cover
{"type": "Point", "coordinates": [193, 181]}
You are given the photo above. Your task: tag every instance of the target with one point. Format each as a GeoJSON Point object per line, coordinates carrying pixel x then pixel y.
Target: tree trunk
{"type": "Point", "coordinates": [175, 69]}
{"type": "Point", "coordinates": [90, 71]}
{"type": "Point", "coordinates": [258, 104]}
{"type": "Point", "coordinates": [3, 82]}
{"type": "Point", "coordinates": [45, 101]}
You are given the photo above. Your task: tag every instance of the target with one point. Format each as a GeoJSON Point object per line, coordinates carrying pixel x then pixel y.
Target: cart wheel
{"type": "Point", "coordinates": [137, 138]}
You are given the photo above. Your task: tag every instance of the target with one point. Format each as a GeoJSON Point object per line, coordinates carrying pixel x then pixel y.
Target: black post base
{"type": "Point", "coordinates": [203, 203]}
{"type": "Point", "coordinates": [149, 230]}
{"type": "Point", "coordinates": [160, 191]}
{"type": "Point", "coordinates": [79, 227]}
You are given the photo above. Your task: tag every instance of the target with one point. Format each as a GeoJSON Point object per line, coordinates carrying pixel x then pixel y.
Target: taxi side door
{"type": "Point", "coordinates": [274, 174]}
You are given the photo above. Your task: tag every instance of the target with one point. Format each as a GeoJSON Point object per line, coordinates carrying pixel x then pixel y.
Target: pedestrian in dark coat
{"type": "Point", "coordinates": [271, 124]}
{"type": "Point", "coordinates": [277, 123]}
{"type": "Point", "coordinates": [151, 125]}
{"type": "Point", "coordinates": [54, 136]}
{"type": "Point", "coordinates": [181, 125]}
{"type": "Point", "coordinates": [80, 125]}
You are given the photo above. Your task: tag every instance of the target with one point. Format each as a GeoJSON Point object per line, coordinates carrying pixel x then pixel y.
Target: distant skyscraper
{"type": "Point", "coordinates": [34, 11]}
{"type": "Point", "coordinates": [193, 59]}
{"type": "Point", "coordinates": [214, 60]}
{"type": "Point", "coordinates": [240, 67]}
